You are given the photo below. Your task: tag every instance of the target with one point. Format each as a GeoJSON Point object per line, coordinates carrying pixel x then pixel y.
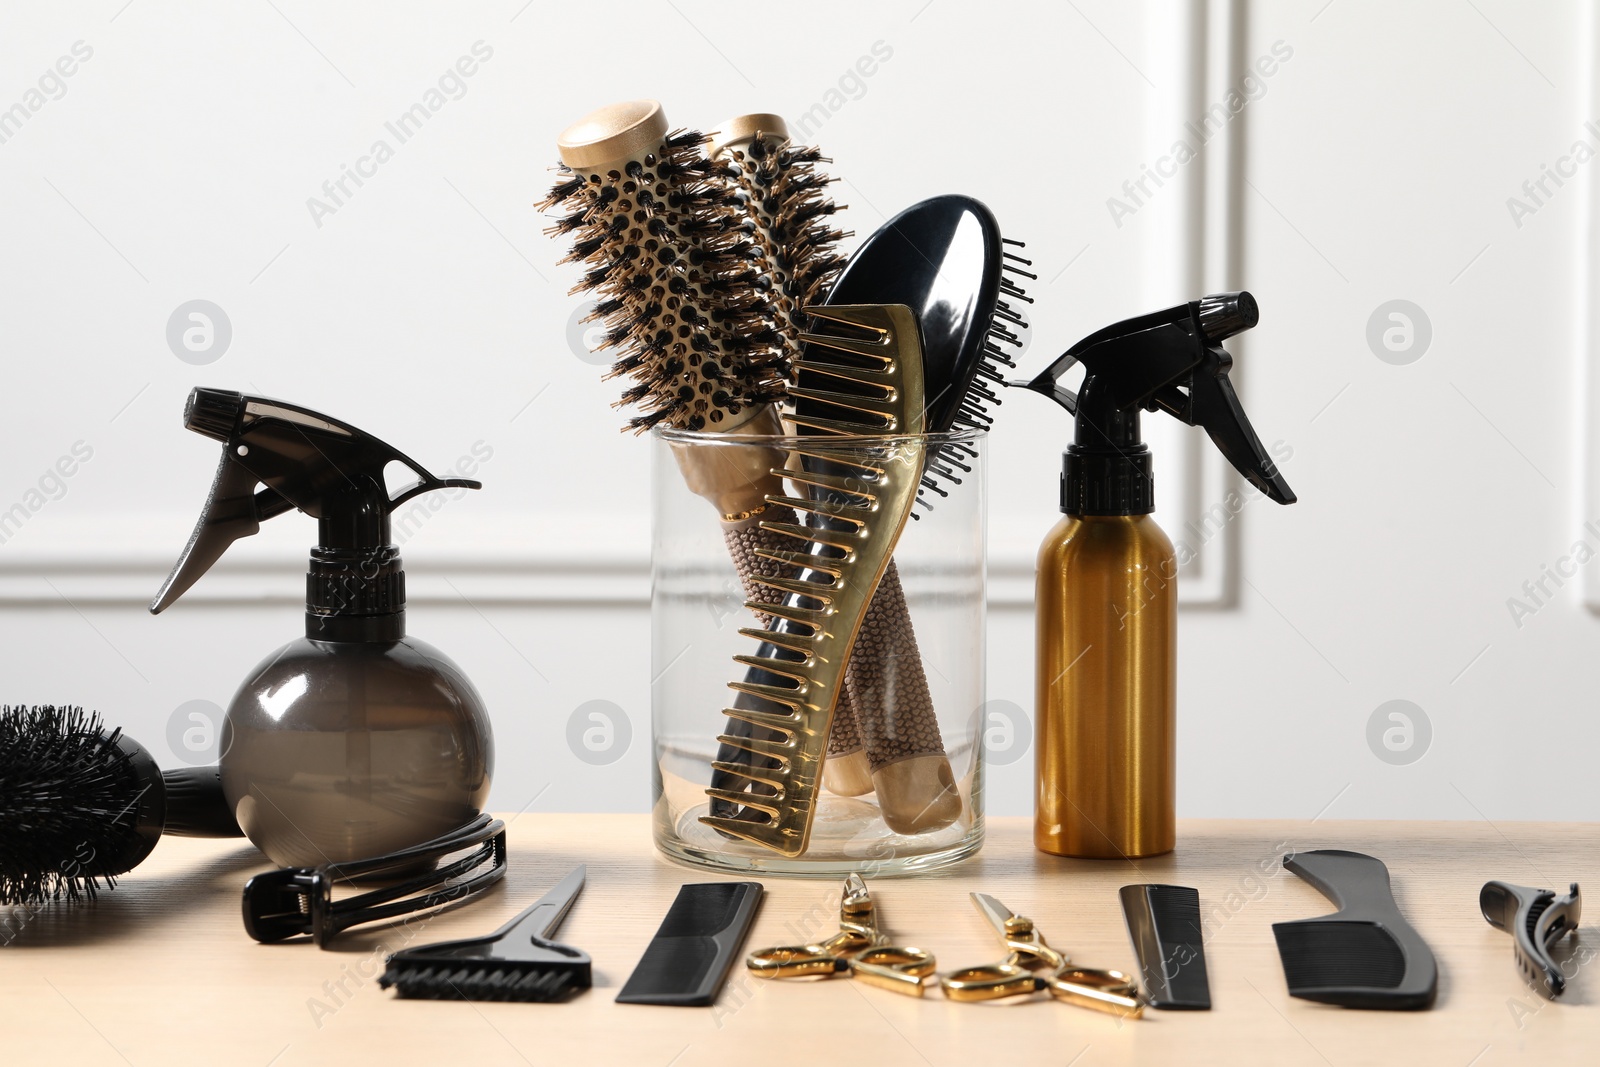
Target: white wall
{"type": "Point", "coordinates": [1373, 164]}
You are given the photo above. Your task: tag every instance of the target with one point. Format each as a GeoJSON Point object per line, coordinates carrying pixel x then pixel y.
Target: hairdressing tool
{"type": "Point", "coordinates": [1536, 919]}
{"type": "Point", "coordinates": [859, 950]}
{"type": "Point", "coordinates": [519, 961]}
{"type": "Point", "coordinates": [944, 258]}
{"type": "Point", "coordinates": [782, 192]}
{"type": "Point", "coordinates": [1365, 955]}
{"type": "Point", "coordinates": [356, 739]}
{"type": "Point", "coordinates": [784, 198]}
{"type": "Point", "coordinates": [682, 280]}
{"type": "Point", "coordinates": [1106, 603]}
{"type": "Point", "coordinates": [80, 805]}
{"type": "Point", "coordinates": [294, 901]}
{"type": "Point", "coordinates": [1032, 965]}
{"type": "Point", "coordinates": [1164, 925]}
{"type": "Point", "coordinates": [687, 961]}
{"type": "Point", "coordinates": [865, 377]}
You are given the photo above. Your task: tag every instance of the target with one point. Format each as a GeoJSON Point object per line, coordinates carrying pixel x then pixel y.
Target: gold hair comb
{"type": "Point", "coordinates": [863, 379]}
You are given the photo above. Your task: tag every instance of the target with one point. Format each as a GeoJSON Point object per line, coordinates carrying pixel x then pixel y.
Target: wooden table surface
{"type": "Point", "coordinates": [160, 971]}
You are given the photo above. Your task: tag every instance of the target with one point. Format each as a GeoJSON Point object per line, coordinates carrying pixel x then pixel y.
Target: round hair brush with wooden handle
{"type": "Point", "coordinates": [902, 755]}
{"type": "Point", "coordinates": [680, 289]}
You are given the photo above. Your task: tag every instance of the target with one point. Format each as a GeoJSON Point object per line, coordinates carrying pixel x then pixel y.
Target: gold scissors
{"type": "Point", "coordinates": [1033, 965]}
{"type": "Point", "coordinates": [858, 950]}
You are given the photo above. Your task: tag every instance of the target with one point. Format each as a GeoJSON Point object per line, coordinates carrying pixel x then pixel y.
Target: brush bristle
{"type": "Point", "coordinates": [784, 194]}
{"type": "Point", "coordinates": [481, 980]}
{"type": "Point", "coordinates": [1003, 338]}
{"type": "Point", "coordinates": [676, 283]}
{"type": "Point", "coordinates": [67, 800]}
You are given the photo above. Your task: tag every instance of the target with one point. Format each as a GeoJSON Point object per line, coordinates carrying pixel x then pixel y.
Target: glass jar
{"type": "Point", "coordinates": [902, 784]}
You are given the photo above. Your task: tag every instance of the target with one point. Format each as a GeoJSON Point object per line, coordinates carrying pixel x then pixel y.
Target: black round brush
{"type": "Point", "coordinates": [80, 805]}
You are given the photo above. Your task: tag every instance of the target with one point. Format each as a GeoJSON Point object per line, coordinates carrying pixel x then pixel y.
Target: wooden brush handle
{"type": "Point", "coordinates": [888, 689]}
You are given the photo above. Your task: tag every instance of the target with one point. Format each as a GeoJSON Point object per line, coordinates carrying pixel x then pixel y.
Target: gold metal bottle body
{"type": "Point", "coordinates": [1105, 774]}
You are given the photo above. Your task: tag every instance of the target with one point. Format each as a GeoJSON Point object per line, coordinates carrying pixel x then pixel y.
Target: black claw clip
{"type": "Point", "coordinates": [1536, 919]}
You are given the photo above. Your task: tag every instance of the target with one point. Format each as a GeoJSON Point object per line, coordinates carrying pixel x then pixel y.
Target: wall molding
{"type": "Point", "coordinates": [1586, 277]}
{"type": "Point", "coordinates": [573, 575]}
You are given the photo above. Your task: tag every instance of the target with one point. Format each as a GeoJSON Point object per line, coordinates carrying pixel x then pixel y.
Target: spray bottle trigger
{"type": "Point", "coordinates": [234, 509]}
{"type": "Point", "coordinates": [1215, 407]}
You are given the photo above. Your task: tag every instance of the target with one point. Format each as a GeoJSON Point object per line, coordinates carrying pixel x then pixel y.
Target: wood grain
{"type": "Point", "coordinates": [160, 971]}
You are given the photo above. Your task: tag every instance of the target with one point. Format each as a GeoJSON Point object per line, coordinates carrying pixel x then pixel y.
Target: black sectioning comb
{"type": "Point", "coordinates": [519, 961]}
{"type": "Point", "coordinates": [1365, 955]}
{"type": "Point", "coordinates": [1536, 919]}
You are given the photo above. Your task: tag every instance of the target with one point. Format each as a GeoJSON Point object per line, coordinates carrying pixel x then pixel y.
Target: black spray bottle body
{"type": "Point", "coordinates": [355, 740]}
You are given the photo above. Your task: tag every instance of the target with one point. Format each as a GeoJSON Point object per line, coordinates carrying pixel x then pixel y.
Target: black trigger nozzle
{"type": "Point", "coordinates": [1224, 314]}
{"type": "Point", "coordinates": [213, 413]}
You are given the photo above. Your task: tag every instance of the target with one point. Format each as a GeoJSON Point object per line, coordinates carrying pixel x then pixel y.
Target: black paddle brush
{"type": "Point", "coordinates": [946, 259]}
{"type": "Point", "coordinates": [80, 805]}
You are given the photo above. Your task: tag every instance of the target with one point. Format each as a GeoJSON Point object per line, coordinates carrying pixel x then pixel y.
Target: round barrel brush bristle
{"type": "Point", "coordinates": [69, 796]}
{"type": "Point", "coordinates": [784, 193]}
{"type": "Point", "coordinates": [80, 804]}
{"type": "Point", "coordinates": [674, 273]}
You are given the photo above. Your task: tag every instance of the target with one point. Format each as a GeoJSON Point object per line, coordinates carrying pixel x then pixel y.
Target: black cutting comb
{"type": "Point", "coordinates": [1536, 919]}
{"type": "Point", "coordinates": [945, 259]}
{"type": "Point", "coordinates": [1365, 955]}
{"type": "Point", "coordinates": [1164, 924]}
{"type": "Point", "coordinates": [516, 962]}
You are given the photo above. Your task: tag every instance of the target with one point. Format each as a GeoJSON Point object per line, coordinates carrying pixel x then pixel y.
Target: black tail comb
{"type": "Point", "coordinates": [1536, 919]}
{"type": "Point", "coordinates": [1365, 955]}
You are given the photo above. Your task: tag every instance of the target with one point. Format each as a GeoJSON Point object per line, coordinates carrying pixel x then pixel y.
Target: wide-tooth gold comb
{"type": "Point", "coordinates": [867, 378]}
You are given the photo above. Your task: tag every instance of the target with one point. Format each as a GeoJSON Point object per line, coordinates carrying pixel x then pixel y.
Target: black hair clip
{"type": "Point", "coordinates": [1536, 919]}
{"type": "Point", "coordinates": [299, 900]}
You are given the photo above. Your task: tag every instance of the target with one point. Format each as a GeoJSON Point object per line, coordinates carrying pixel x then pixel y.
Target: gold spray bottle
{"type": "Point", "coordinates": [1106, 734]}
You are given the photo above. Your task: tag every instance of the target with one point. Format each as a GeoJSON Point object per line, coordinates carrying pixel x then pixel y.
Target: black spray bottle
{"type": "Point", "coordinates": [354, 740]}
{"type": "Point", "coordinates": [1106, 603]}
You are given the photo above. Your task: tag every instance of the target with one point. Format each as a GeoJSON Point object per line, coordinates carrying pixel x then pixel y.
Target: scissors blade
{"type": "Point", "coordinates": [992, 910]}
{"type": "Point", "coordinates": [544, 916]}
